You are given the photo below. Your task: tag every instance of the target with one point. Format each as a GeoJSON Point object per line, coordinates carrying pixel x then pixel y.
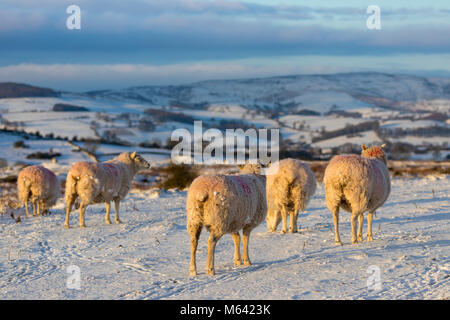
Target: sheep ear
{"type": "Point", "coordinates": [133, 155]}
{"type": "Point", "coordinates": [364, 147]}
{"type": "Point", "coordinates": [383, 145]}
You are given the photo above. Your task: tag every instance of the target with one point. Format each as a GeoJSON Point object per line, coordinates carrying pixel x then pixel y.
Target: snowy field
{"type": "Point", "coordinates": [147, 256]}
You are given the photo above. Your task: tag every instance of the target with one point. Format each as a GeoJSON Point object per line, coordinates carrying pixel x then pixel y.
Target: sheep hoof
{"type": "Point", "coordinates": [360, 238]}
{"type": "Point", "coordinates": [283, 231]}
{"type": "Point", "coordinates": [293, 231]}
{"type": "Point", "coordinates": [82, 226]}
{"type": "Point", "coordinates": [247, 263]}
{"type": "Point", "coordinates": [192, 273]}
{"type": "Point", "coordinates": [237, 262]}
{"type": "Point", "coordinates": [108, 221]}
{"type": "Point", "coordinates": [369, 239]}
{"type": "Point", "coordinates": [211, 272]}
{"type": "Point", "coordinates": [354, 241]}
{"type": "Point", "coordinates": [339, 243]}
{"type": "Point", "coordinates": [118, 221]}
{"type": "Point", "coordinates": [66, 226]}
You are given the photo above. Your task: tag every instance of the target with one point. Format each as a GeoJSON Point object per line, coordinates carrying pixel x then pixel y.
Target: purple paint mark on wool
{"type": "Point", "coordinates": [111, 169]}
{"type": "Point", "coordinates": [243, 184]}
{"type": "Point", "coordinates": [376, 170]}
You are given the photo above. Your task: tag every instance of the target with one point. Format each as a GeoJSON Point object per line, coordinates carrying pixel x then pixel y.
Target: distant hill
{"type": "Point", "coordinates": [19, 90]}
{"type": "Point", "coordinates": [320, 93]}
{"type": "Point", "coordinates": [320, 113]}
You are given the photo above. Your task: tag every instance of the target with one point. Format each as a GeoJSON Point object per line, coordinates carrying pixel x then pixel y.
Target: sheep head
{"type": "Point", "coordinates": [374, 152]}
{"type": "Point", "coordinates": [254, 168]}
{"type": "Point", "coordinates": [139, 162]}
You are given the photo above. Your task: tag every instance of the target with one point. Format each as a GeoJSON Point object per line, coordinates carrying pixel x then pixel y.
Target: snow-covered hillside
{"type": "Point", "coordinates": [310, 90]}
{"type": "Point", "coordinates": [147, 256]}
{"type": "Point", "coordinates": [316, 111]}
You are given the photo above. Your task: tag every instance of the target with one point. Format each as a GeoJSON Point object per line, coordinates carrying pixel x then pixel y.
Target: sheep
{"type": "Point", "coordinates": [357, 184]}
{"type": "Point", "coordinates": [288, 189]}
{"type": "Point", "coordinates": [101, 182]}
{"type": "Point", "coordinates": [225, 204]}
{"type": "Point", "coordinates": [40, 185]}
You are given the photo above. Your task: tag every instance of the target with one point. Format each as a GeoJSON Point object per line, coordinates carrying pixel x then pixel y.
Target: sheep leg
{"type": "Point", "coordinates": [82, 211]}
{"type": "Point", "coordinates": [354, 221]}
{"type": "Point", "coordinates": [245, 239]}
{"type": "Point", "coordinates": [212, 241]}
{"type": "Point", "coordinates": [195, 235]}
{"type": "Point", "coordinates": [369, 226]}
{"type": "Point", "coordinates": [360, 227]}
{"type": "Point", "coordinates": [284, 218]}
{"type": "Point", "coordinates": [108, 209]}
{"type": "Point", "coordinates": [27, 212]}
{"type": "Point", "coordinates": [34, 202]}
{"type": "Point", "coordinates": [69, 205]}
{"type": "Point", "coordinates": [293, 226]}
{"type": "Point", "coordinates": [41, 208]}
{"type": "Point", "coordinates": [237, 249]}
{"type": "Point", "coordinates": [337, 238]}
{"type": "Point", "coordinates": [116, 205]}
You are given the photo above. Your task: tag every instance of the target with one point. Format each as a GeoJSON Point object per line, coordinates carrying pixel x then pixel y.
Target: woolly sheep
{"type": "Point", "coordinates": [101, 182]}
{"type": "Point", "coordinates": [39, 185]}
{"type": "Point", "coordinates": [288, 190]}
{"type": "Point", "coordinates": [357, 184]}
{"type": "Point", "coordinates": [225, 204]}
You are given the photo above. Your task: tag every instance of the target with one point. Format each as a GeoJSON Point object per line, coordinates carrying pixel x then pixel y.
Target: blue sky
{"type": "Point", "coordinates": [140, 42]}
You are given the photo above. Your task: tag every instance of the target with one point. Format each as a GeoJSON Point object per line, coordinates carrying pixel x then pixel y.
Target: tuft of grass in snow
{"type": "Point", "coordinates": [177, 176]}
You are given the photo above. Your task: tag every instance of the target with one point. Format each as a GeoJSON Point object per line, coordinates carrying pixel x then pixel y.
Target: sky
{"type": "Point", "coordinates": [160, 42]}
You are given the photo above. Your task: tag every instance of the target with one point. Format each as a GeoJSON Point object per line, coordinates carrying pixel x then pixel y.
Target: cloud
{"type": "Point", "coordinates": [85, 77]}
{"type": "Point", "coordinates": [19, 21]}
{"type": "Point", "coordinates": [132, 13]}
{"type": "Point", "coordinates": [90, 77]}
{"type": "Point", "coordinates": [200, 25]}
{"type": "Point", "coordinates": [162, 41]}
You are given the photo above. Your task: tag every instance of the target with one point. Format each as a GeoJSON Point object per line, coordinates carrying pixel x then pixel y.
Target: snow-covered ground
{"type": "Point", "coordinates": [68, 156]}
{"type": "Point", "coordinates": [368, 137]}
{"type": "Point", "coordinates": [147, 256]}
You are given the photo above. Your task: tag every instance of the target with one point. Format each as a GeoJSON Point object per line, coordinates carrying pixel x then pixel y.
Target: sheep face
{"type": "Point", "coordinates": [251, 168]}
{"type": "Point", "coordinates": [139, 162]}
{"type": "Point", "coordinates": [273, 220]}
{"type": "Point", "coordinates": [374, 152]}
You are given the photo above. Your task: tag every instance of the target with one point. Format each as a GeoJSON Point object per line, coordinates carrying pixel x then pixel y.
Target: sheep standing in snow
{"type": "Point", "coordinates": [288, 189]}
{"type": "Point", "coordinates": [101, 182]}
{"type": "Point", "coordinates": [357, 184]}
{"type": "Point", "coordinates": [39, 185]}
{"type": "Point", "coordinates": [225, 204]}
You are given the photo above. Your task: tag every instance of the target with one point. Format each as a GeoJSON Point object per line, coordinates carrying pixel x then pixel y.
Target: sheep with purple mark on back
{"type": "Point", "coordinates": [357, 184]}
{"type": "Point", "coordinates": [101, 182]}
{"type": "Point", "coordinates": [40, 185]}
{"type": "Point", "coordinates": [225, 204]}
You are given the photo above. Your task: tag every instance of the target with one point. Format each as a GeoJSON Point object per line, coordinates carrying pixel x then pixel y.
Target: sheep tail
{"type": "Point", "coordinates": [197, 210]}
{"type": "Point", "coordinates": [202, 197]}
{"type": "Point", "coordinates": [71, 187]}
{"type": "Point", "coordinates": [24, 185]}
